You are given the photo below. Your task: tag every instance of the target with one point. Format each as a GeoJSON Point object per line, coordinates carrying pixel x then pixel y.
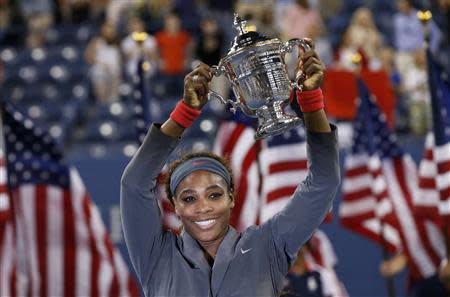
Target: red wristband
{"type": "Point", "coordinates": [184, 114]}
{"type": "Point", "coordinates": [310, 101]}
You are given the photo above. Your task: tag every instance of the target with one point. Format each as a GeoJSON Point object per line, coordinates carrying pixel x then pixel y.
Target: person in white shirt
{"type": "Point", "coordinates": [132, 52]}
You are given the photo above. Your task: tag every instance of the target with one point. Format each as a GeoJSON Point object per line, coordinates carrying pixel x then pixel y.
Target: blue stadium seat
{"type": "Point", "coordinates": [70, 34]}
{"type": "Point", "coordinates": [108, 131]}
{"type": "Point", "coordinates": [8, 56]}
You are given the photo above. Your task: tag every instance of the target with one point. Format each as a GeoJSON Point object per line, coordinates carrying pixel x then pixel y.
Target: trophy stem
{"type": "Point", "coordinates": [274, 121]}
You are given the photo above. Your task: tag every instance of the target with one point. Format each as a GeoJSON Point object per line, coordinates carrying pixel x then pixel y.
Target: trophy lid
{"type": "Point", "coordinates": [244, 38]}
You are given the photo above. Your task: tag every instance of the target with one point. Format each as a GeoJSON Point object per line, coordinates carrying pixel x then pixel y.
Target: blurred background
{"type": "Point", "coordinates": [71, 66]}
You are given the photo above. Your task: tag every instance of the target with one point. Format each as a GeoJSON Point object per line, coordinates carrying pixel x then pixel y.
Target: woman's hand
{"type": "Point", "coordinates": [310, 70]}
{"type": "Point", "coordinates": [196, 86]}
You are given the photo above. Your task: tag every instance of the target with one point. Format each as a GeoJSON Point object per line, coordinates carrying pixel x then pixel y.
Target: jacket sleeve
{"type": "Point", "coordinates": [305, 211]}
{"type": "Point", "coordinates": [141, 216]}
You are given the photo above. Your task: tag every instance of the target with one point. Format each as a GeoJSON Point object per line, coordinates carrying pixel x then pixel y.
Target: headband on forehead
{"type": "Point", "coordinates": [196, 164]}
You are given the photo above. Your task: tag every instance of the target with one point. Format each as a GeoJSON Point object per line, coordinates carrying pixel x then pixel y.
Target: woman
{"type": "Point", "coordinates": [210, 258]}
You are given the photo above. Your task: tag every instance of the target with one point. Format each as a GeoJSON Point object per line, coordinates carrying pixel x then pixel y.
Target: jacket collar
{"type": "Point", "coordinates": [193, 252]}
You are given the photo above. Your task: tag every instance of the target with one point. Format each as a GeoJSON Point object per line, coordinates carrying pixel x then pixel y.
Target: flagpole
{"type": "Point", "coordinates": [356, 60]}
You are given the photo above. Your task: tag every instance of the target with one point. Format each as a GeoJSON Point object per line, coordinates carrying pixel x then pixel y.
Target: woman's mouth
{"type": "Point", "coordinates": [206, 224]}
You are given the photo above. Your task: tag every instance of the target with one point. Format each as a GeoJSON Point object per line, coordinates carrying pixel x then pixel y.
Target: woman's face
{"type": "Point", "coordinates": [203, 203]}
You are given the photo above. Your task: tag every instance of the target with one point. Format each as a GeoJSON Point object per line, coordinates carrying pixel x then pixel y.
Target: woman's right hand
{"type": "Point", "coordinates": [196, 86]}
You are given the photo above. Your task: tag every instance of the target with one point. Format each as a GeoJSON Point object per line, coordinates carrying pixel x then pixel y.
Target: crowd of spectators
{"type": "Point", "coordinates": [387, 34]}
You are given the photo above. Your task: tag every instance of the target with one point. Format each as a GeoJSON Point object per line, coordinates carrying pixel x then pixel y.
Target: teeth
{"type": "Point", "coordinates": [205, 224]}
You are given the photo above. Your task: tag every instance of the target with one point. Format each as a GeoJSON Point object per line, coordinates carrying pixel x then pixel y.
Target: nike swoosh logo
{"type": "Point", "coordinates": [245, 251]}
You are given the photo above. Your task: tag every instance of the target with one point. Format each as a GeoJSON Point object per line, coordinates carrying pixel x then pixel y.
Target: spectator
{"type": "Point", "coordinates": [364, 37]}
{"type": "Point", "coordinates": [39, 18]}
{"type": "Point", "coordinates": [300, 281]}
{"type": "Point", "coordinates": [132, 52]}
{"type": "Point", "coordinates": [103, 54]}
{"type": "Point", "coordinates": [419, 287]}
{"type": "Point", "coordinates": [312, 273]}
{"type": "Point", "coordinates": [416, 89]}
{"type": "Point", "coordinates": [300, 20]}
{"type": "Point", "coordinates": [345, 54]}
{"type": "Point", "coordinates": [322, 44]}
{"type": "Point", "coordinates": [387, 57]}
{"type": "Point", "coordinates": [408, 35]}
{"type": "Point", "coordinates": [175, 52]}
{"type": "Point", "coordinates": [209, 47]}
{"type": "Point", "coordinates": [209, 51]}
{"type": "Point", "coordinates": [75, 11]}
{"type": "Point", "coordinates": [11, 29]}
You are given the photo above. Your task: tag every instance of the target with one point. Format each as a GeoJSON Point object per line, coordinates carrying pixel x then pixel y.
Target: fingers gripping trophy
{"type": "Point", "coordinates": [258, 75]}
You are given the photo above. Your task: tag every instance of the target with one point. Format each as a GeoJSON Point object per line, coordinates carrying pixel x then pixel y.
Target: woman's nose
{"type": "Point", "coordinates": [204, 206]}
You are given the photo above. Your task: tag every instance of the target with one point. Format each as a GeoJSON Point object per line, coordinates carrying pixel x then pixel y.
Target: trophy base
{"type": "Point", "coordinates": [273, 121]}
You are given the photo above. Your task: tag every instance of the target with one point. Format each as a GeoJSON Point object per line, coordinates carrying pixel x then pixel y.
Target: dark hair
{"type": "Point", "coordinates": [225, 162]}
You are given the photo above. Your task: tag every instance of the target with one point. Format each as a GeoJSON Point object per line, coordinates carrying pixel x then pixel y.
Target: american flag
{"type": "Point", "coordinates": [142, 112]}
{"type": "Point", "coordinates": [380, 182]}
{"type": "Point", "coordinates": [283, 164]}
{"type": "Point", "coordinates": [434, 170]}
{"type": "Point", "coordinates": [283, 167]}
{"type": "Point", "coordinates": [365, 200]}
{"type": "Point", "coordinates": [54, 242]}
{"type": "Point", "coordinates": [235, 141]}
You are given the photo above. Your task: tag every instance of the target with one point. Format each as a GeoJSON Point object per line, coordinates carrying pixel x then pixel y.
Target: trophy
{"type": "Point", "coordinates": [258, 75]}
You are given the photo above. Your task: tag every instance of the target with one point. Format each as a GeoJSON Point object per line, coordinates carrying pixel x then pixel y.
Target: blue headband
{"type": "Point", "coordinates": [195, 164]}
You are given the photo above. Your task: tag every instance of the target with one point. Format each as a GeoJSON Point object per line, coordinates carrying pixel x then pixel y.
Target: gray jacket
{"type": "Point", "coordinates": [251, 263]}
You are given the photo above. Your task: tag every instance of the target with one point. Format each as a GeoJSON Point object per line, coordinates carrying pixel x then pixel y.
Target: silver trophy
{"type": "Point", "coordinates": [259, 78]}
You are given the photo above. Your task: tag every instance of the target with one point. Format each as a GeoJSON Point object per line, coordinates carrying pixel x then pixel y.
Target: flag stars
{"type": "Point", "coordinates": [18, 116]}
{"type": "Point", "coordinates": [11, 157]}
{"type": "Point", "coordinates": [47, 139]}
{"type": "Point", "coordinates": [140, 123]}
{"type": "Point", "coordinates": [28, 124]}
{"type": "Point", "coordinates": [138, 109]}
{"type": "Point", "coordinates": [38, 132]}
{"type": "Point", "coordinates": [27, 155]}
{"type": "Point", "coordinates": [35, 165]}
{"type": "Point", "coordinates": [26, 175]}
{"type": "Point", "coordinates": [12, 138]}
{"type": "Point", "coordinates": [18, 166]}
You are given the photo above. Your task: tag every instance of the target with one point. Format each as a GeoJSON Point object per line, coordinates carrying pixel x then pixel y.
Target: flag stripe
{"type": "Point", "coordinates": [41, 236]}
{"type": "Point", "coordinates": [280, 193]}
{"type": "Point", "coordinates": [287, 166]}
{"type": "Point", "coordinates": [54, 239]}
{"type": "Point", "coordinates": [70, 245]}
{"type": "Point", "coordinates": [421, 263]}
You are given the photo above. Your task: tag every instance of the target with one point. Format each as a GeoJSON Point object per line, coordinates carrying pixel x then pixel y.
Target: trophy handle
{"type": "Point", "coordinates": [218, 71]}
{"type": "Point", "coordinates": [214, 94]}
{"type": "Point", "coordinates": [291, 43]}
{"type": "Point", "coordinates": [288, 47]}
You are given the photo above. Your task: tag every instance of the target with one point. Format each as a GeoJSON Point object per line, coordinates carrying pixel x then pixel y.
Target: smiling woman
{"type": "Point", "coordinates": [209, 258]}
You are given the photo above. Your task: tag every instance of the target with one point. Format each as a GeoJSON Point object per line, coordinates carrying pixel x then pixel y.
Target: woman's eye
{"type": "Point", "coordinates": [188, 199]}
{"type": "Point", "coordinates": [215, 196]}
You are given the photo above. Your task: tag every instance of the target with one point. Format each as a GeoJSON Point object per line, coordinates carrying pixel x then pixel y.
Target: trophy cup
{"type": "Point", "coordinates": [258, 75]}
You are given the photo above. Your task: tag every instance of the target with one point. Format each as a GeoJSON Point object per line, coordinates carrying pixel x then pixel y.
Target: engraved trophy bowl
{"type": "Point", "coordinates": [259, 78]}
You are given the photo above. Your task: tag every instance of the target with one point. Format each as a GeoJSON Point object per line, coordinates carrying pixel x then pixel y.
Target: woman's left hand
{"type": "Point", "coordinates": [310, 70]}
